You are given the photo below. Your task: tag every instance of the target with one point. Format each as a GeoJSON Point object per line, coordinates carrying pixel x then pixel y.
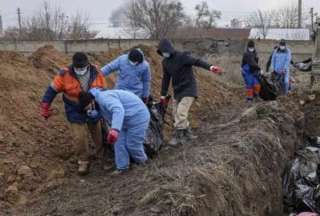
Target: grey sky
{"type": "Point", "coordinates": [99, 10]}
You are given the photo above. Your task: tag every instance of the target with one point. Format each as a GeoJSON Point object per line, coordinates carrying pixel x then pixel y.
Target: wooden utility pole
{"type": "Point", "coordinates": [1, 26]}
{"type": "Point", "coordinates": [299, 13]}
{"type": "Point", "coordinates": [19, 22]}
{"type": "Point", "coordinates": [312, 15]}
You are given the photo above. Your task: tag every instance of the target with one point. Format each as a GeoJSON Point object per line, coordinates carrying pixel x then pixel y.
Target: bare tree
{"type": "Point", "coordinates": [52, 23]}
{"type": "Point", "coordinates": [235, 23]}
{"type": "Point", "coordinates": [47, 24]}
{"type": "Point", "coordinates": [11, 33]}
{"type": "Point", "coordinates": [206, 18]}
{"type": "Point", "coordinates": [79, 28]}
{"type": "Point", "coordinates": [156, 17]}
{"type": "Point", "coordinates": [118, 17]}
{"type": "Point", "coordinates": [287, 17]}
{"type": "Point", "coordinates": [261, 20]}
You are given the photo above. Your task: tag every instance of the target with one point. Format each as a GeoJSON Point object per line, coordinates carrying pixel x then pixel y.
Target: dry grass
{"type": "Point", "coordinates": [231, 66]}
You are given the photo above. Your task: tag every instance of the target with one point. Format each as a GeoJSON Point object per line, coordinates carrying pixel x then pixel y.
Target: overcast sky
{"type": "Point", "coordinates": [99, 10]}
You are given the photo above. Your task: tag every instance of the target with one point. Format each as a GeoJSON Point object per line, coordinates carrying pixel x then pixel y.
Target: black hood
{"type": "Point", "coordinates": [165, 46]}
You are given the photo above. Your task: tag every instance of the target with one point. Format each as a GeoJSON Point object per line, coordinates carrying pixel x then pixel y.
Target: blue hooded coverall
{"type": "Point", "coordinates": [129, 115]}
{"type": "Point", "coordinates": [281, 66]}
{"type": "Point", "coordinates": [134, 78]}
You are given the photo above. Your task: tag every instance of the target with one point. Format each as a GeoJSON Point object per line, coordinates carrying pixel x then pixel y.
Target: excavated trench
{"type": "Point", "coordinates": [234, 168]}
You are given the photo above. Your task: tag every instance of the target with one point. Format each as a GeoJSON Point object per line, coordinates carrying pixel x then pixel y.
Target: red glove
{"type": "Point", "coordinates": [112, 136]}
{"type": "Point", "coordinates": [216, 69]}
{"type": "Point", "coordinates": [45, 110]}
{"type": "Point", "coordinates": [164, 100]}
{"type": "Point", "coordinates": [145, 100]}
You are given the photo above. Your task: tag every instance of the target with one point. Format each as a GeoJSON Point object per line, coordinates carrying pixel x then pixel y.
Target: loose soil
{"type": "Point", "coordinates": [233, 168]}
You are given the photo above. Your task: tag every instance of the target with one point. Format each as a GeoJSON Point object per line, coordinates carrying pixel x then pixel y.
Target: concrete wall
{"type": "Point", "coordinates": [201, 47]}
{"type": "Point", "coordinates": [208, 47]}
{"type": "Point", "coordinates": [70, 46]}
{"type": "Point", "coordinates": [297, 47]}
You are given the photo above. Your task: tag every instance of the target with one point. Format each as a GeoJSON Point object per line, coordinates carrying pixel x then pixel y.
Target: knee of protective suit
{"type": "Point", "coordinates": [135, 141]}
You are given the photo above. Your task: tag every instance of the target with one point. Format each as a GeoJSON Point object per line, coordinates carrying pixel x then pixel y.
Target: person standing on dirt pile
{"type": "Point", "coordinates": [280, 63]}
{"type": "Point", "coordinates": [178, 67]}
{"type": "Point", "coordinates": [129, 119]}
{"type": "Point", "coordinates": [250, 71]}
{"type": "Point", "coordinates": [79, 77]}
{"type": "Point", "coordinates": [134, 73]}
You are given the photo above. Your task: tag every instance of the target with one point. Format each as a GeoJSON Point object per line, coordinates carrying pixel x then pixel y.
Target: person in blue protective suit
{"type": "Point", "coordinates": [280, 63]}
{"type": "Point", "coordinates": [129, 119]}
{"type": "Point", "coordinates": [134, 73]}
{"type": "Point", "coordinates": [250, 70]}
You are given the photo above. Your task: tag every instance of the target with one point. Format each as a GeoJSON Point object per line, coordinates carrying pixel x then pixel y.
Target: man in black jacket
{"type": "Point", "coordinates": [178, 67]}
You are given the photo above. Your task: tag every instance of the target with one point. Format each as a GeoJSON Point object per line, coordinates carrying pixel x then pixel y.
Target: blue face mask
{"type": "Point", "coordinates": [92, 113]}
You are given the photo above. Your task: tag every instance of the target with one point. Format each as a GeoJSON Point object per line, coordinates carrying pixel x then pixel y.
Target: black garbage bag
{"type": "Point", "coordinates": [301, 183]}
{"type": "Point", "coordinates": [269, 91]}
{"type": "Point", "coordinates": [304, 66]}
{"type": "Point", "coordinates": [154, 135]}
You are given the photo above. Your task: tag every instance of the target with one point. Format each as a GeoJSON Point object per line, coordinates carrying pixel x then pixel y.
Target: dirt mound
{"type": "Point", "coordinates": [31, 150]}
{"type": "Point", "coordinates": [49, 59]}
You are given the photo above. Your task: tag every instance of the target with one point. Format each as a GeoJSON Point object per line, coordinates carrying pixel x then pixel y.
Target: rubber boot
{"type": "Point", "coordinates": [83, 168]}
{"type": "Point", "coordinates": [119, 172]}
{"type": "Point", "coordinates": [177, 138]}
{"type": "Point", "coordinates": [189, 135]}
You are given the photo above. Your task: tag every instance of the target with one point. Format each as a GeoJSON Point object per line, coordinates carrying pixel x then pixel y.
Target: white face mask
{"type": "Point", "coordinates": [133, 63]}
{"type": "Point", "coordinates": [282, 47]}
{"type": "Point", "coordinates": [81, 71]}
{"type": "Point", "coordinates": [166, 54]}
{"type": "Point", "coordinates": [251, 49]}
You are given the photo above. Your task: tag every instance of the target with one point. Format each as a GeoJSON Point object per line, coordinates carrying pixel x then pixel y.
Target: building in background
{"type": "Point", "coordinates": [280, 33]}
{"type": "Point", "coordinates": [222, 34]}
{"type": "Point", "coordinates": [107, 32]}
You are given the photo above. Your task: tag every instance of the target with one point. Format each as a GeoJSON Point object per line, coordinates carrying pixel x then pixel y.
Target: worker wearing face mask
{"type": "Point", "coordinates": [250, 70]}
{"type": "Point", "coordinates": [134, 73]}
{"type": "Point", "coordinates": [177, 66]}
{"type": "Point", "coordinates": [280, 63]}
{"type": "Point", "coordinates": [79, 77]}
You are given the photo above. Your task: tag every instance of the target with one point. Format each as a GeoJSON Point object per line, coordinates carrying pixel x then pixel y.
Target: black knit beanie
{"type": "Point", "coordinates": [80, 60]}
{"type": "Point", "coordinates": [136, 56]}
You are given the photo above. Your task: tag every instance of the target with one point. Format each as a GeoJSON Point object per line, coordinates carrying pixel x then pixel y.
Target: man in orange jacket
{"type": "Point", "coordinates": [79, 77]}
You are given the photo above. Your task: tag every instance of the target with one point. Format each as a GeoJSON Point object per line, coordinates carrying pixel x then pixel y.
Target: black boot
{"type": "Point", "coordinates": [189, 135]}
{"type": "Point", "coordinates": [177, 137]}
